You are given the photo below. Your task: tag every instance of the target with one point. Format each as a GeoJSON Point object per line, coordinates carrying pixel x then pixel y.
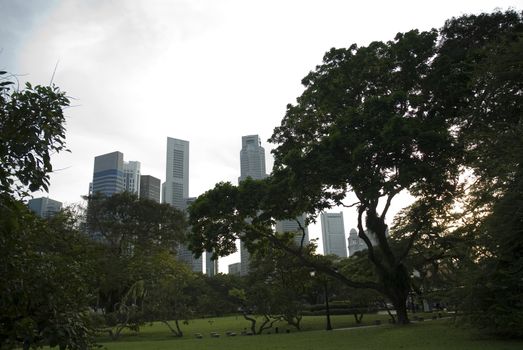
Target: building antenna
{"type": "Point", "coordinates": [54, 71]}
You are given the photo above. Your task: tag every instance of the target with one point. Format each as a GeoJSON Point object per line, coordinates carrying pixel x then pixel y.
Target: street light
{"type": "Point", "coordinates": [327, 309]}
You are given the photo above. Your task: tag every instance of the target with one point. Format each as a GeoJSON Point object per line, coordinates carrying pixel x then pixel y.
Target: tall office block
{"type": "Point", "coordinates": [235, 269]}
{"type": "Point", "coordinates": [131, 177]}
{"type": "Point", "coordinates": [184, 254]}
{"type": "Point", "coordinates": [176, 188]}
{"type": "Point", "coordinates": [252, 164]}
{"type": "Point", "coordinates": [333, 234]}
{"type": "Point", "coordinates": [108, 174]}
{"type": "Point", "coordinates": [211, 266]}
{"type": "Point", "coordinates": [45, 207]}
{"type": "Point", "coordinates": [252, 158]}
{"type": "Point", "coordinates": [283, 226]}
{"type": "Point", "coordinates": [150, 187]}
{"type": "Point", "coordinates": [245, 260]}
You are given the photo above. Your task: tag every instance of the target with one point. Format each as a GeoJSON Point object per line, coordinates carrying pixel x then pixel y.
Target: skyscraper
{"type": "Point", "coordinates": [176, 187]}
{"type": "Point", "coordinates": [211, 266]}
{"type": "Point", "coordinates": [150, 187]}
{"type": "Point", "coordinates": [283, 226]}
{"type": "Point", "coordinates": [108, 174]}
{"type": "Point", "coordinates": [252, 158]}
{"type": "Point", "coordinates": [333, 234]}
{"type": "Point", "coordinates": [175, 190]}
{"type": "Point", "coordinates": [252, 164]}
{"type": "Point", "coordinates": [131, 177]}
{"type": "Point", "coordinates": [44, 206]}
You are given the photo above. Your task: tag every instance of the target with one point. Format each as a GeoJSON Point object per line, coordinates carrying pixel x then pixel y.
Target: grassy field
{"type": "Point", "coordinates": [428, 335]}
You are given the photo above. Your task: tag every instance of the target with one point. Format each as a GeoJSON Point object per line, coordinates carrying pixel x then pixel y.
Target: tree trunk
{"type": "Point", "coordinates": [398, 295]}
{"type": "Point", "coordinates": [180, 333]}
{"type": "Point", "coordinates": [401, 312]}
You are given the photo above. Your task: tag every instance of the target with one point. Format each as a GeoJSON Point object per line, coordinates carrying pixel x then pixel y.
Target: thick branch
{"type": "Point", "coordinates": [387, 204]}
{"type": "Point", "coordinates": [302, 229]}
{"type": "Point", "coordinates": [350, 205]}
{"type": "Point", "coordinates": [410, 243]}
{"type": "Point", "coordinates": [363, 235]}
{"type": "Point", "coordinates": [321, 267]}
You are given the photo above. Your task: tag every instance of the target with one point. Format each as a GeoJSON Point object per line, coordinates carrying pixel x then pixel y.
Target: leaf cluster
{"type": "Point", "coordinates": [32, 128]}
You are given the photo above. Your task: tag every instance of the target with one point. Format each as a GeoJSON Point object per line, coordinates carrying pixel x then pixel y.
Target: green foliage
{"type": "Point", "coordinates": [126, 222]}
{"type": "Point", "coordinates": [286, 283]}
{"type": "Point", "coordinates": [491, 295]}
{"type": "Point", "coordinates": [138, 277]}
{"type": "Point", "coordinates": [44, 294]}
{"type": "Point", "coordinates": [215, 300]}
{"type": "Point", "coordinates": [44, 265]}
{"type": "Point", "coordinates": [31, 129]}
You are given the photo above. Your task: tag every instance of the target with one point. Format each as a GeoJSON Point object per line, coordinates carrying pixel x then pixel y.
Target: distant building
{"type": "Point", "coordinates": [176, 187]}
{"type": "Point", "coordinates": [283, 226]}
{"type": "Point", "coordinates": [44, 207]}
{"type": "Point", "coordinates": [356, 244]}
{"type": "Point", "coordinates": [131, 177]}
{"type": "Point", "coordinates": [252, 164]}
{"type": "Point", "coordinates": [333, 234]}
{"type": "Point", "coordinates": [245, 260]}
{"type": "Point", "coordinates": [150, 187]}
{"type": "Point", "coordinates": [252, 159]}
{"type": "Point", "coordinates": [235, 269]}
{"type": "Point", "coordinates": [175, 190]}
{"type": "Point", "coordinates": [108, 174]}
{"type": "Point", "coordinates": [211, 266]}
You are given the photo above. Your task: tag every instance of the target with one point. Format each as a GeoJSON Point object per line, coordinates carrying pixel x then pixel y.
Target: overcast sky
{"type": "Point", "coordinates": [206, 71]}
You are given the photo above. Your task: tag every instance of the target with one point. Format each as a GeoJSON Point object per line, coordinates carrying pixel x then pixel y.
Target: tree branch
{"type": "Point", "coordinates": [321, 267]}
{"type": "Point", "coordinates": [387, 204]}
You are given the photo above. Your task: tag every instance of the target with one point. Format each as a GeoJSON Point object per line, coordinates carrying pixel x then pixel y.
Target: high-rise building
{"type": "Point", "coordinates": [252, 158]}
{"type": "Point", "coordinates": [108, 174]}
{"type": "Point", "coordinates": [175, 190]}
{"type": "Point", "coordinates": [150, 187]}
{"type": "Point", "coordinates": [235, 269]}
{"type": "Point", "coordinates": [184, 254]}
{"type": "Point", "coordinates": [356, 244]}
{"type": "Point", "coordinates": [131, 177]}
{"type": "Point", "coordinates": [245, 260]}
{"type": "Point", "coordinates": [45, 207]}
{"type": "Point", "coordinates": [211, 266]}
{"type": "Point", "coordinates": [296, 226]}
{"type": "Point", "coordinates": [333, 234]}
{"type": "Point", "coordinates": [176, 187]}
{"type": "Point", "coordinates": [252, 164]}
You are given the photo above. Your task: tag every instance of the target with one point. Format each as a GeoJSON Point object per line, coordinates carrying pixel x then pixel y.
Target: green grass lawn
{"type": "Point", "coordinates": [428, 335]}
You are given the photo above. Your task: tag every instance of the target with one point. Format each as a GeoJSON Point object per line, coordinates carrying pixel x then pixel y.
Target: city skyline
{"type": "Point", "coordinates": [209, 72]}
{"type": "Point", "coordinates": [140, 71]}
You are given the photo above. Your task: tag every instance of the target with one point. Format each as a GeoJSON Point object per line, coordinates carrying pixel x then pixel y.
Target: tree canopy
{"type": "Point", "coordinates": [408, 114]}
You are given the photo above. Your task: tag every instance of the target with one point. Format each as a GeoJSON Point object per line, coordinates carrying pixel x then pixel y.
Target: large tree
{"type": "Point", "coordinates": [137, 242]}
{"type": "Point", "coordinates": [375, 121]}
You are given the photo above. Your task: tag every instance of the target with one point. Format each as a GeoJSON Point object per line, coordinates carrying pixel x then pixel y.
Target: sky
{"type": "Point", "coordinates": [205, 71]}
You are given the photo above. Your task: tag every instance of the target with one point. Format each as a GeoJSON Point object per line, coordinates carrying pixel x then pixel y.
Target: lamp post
{"type": "Point", "coordinates": [327, 309]}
